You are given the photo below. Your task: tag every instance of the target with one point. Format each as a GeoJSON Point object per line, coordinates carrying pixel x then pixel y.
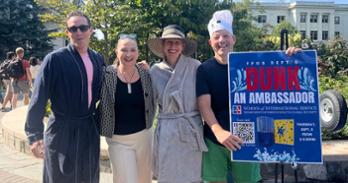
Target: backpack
{"type": "Point", "coordinates": [15, 68]}
{"type": "Point", "coordinates": [3, 69]}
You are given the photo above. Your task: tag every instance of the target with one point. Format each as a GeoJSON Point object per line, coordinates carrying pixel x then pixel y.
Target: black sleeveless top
{"type": "Point", "coordinates": [129, 108]}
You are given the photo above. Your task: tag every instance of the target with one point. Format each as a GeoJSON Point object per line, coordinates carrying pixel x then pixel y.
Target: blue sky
{"type": "Point", "coordinates": [336, 1]}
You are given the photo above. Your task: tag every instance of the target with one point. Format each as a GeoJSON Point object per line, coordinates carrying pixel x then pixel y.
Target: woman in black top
{"type": "Point", "coordinates": [127, 112]}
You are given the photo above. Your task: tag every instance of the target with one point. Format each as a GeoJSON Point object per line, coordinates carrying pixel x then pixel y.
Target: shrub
{"type": "Point", "coordinates": [340, 84]}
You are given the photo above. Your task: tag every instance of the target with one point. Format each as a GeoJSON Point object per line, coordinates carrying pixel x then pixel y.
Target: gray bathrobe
{"type": "Point", "coordinates": [179, 141]}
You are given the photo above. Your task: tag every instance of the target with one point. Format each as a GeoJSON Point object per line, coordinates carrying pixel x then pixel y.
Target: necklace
{"type": "Point", "coordinates": [129, 85]}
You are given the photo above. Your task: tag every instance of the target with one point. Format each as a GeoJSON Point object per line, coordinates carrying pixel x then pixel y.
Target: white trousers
{"type": "Point", "coordinates": [130, 157]}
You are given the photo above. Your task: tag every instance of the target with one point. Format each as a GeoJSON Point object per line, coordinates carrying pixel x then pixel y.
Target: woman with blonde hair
{"type": "Point", "coordinates": [126, 113]}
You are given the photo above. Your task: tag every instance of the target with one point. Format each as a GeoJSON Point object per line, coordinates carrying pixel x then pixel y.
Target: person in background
{"type": "Point", "coordinates": [178, 143]}
{"type": "Point", "coordinates": [127, 112]}
{"type": "Point", "coordinates": [34, 67]}
{"type": "Point", "coordinates": [7, 82]}
{"type": "Point", "coordinates": [23, 83]}
{"type": "Point", "coordinates": [70, 78]}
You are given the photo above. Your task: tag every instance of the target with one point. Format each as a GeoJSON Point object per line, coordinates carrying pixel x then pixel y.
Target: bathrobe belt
{"type": "Point", "coordinates": [73, 138]}
{"type": "Point", "coordinates": [190, 131]}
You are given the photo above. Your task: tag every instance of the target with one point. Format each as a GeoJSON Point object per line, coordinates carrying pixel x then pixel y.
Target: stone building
{"type": "Point", "coordinates": [319, 21]}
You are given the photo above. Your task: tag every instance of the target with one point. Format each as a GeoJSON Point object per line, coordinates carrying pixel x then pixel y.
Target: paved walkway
{"type": "Point", "coordinates": [16, 166]}
{"type": "Point", "coordinates": [9, 177]}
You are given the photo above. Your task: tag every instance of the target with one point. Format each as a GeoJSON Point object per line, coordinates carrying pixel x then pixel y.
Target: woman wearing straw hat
{"type": "Point", "coordinates": [179, 143]}
{"type": "Point", "coordinates": [127, 112]}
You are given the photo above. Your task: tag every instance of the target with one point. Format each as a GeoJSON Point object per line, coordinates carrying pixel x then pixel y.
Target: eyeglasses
{"type": "Point", "coordinates": [83, 28]}
{"type": "Point", "coordinates": [127, 36]}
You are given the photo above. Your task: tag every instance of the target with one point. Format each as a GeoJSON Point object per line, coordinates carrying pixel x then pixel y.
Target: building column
{"type": "Point", "coordinates": [331, 26]}
{"type": "Point", "coordinates": [308, 23]}
{"type": "Point", "coordinates": [320, 27]}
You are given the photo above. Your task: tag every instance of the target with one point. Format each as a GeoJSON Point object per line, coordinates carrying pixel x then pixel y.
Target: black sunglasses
{"type": "Point", "coordinates": [83, 28]}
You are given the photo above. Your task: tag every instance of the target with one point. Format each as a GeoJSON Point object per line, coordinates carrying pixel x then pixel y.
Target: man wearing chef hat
{"type": "Point", "coordinates": [212, 93]}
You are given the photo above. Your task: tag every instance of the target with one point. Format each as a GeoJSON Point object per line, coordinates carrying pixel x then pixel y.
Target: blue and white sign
{"type": "Point", "coordinates": [274, 106]}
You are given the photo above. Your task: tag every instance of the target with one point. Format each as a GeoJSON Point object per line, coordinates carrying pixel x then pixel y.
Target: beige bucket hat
{"type": "Point", "coordinates": [171, 31]}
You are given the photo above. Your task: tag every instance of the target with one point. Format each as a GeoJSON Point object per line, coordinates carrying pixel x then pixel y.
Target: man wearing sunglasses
{"type": "Point", "coordinates": [71, 79]}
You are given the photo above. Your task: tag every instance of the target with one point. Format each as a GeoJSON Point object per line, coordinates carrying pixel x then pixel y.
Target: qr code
{"type": "Point", "coordinates": [245, 131]}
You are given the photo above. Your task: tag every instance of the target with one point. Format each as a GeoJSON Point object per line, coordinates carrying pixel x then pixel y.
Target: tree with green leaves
{"type": "Point", "coordinates": [249, 37]}
{"type": "Point", "coordinates": [294, 36]}
{"type": "Point", "coordinates": [54, 12]}
{"type": "Point", "coordinates": [335, 55]}
{"type": "Point", "coordinates": [146, 18]}
{"type": "Point", "coordinates": [20, 27]}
